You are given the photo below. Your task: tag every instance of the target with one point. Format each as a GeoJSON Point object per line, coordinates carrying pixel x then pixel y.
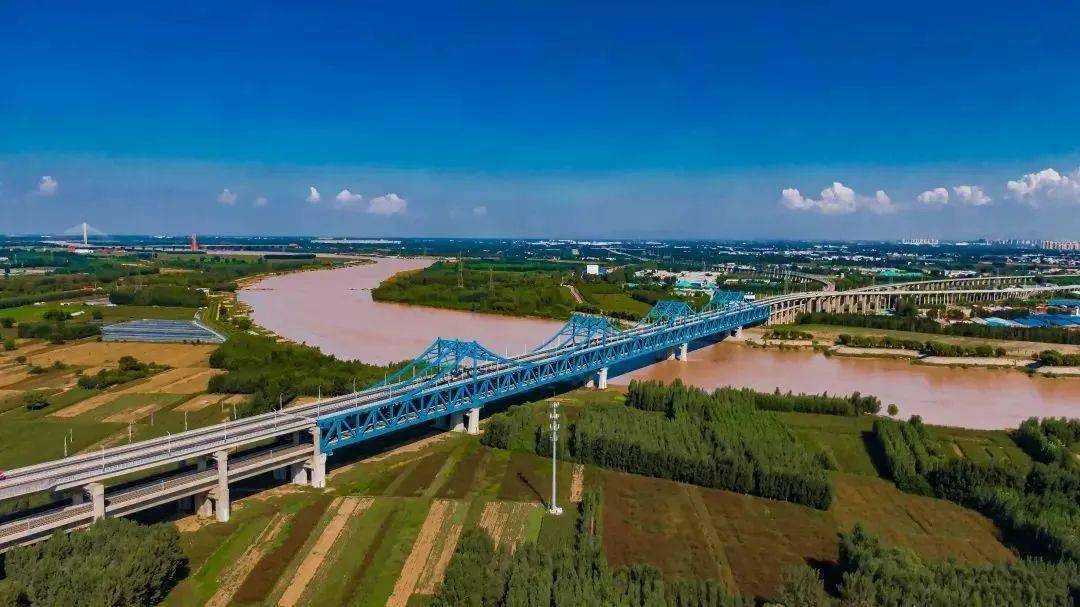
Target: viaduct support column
{"type": "Point", "coordinates": [318, 460]}
{"type": "Point", "coordinates": [96, 491]}
{"type": "Point", "coordinates": [736, 333]}
{"type": "Point", "coordinates": [474, 420]}
{"type": "Point", "coordinates": [221, 501]}
{"type": "Point", "coordinates": [682, 352]}
{"type": "Point", "coordinates": [600, 380]}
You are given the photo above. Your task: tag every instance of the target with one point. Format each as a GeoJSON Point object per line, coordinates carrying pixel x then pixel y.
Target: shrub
{"type": "Point", "coordinates": [115, 562]}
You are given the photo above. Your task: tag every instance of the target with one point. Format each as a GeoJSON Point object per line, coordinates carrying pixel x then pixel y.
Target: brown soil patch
{"type": "Point", "coordinates": [433, 574]}
{"type": "Point", "coordinates": [90, 354]}
{"type": "Point", "coordinates": [230, 582]}
{"type": "Point", "coordinates": [343, 509]}
{"type": "Point", "coordinates": [133, 415]}
{"type": "Point", "coordinates": [505, 522]}
{"type": "Point", "coordinates": [421, 550]}
{"type": "Point", "coordinates": [160, 383]}
{"type": "Point", "coordinates": [577, 483]}
{"type": "Point", "coordinates": [256, 588]}
{"type": "Point", "coordinates": [14, 376]}
{"type": "Point", "coordinates": [200, 402]}
{"type": "Point", "coordinates": [192, 523]}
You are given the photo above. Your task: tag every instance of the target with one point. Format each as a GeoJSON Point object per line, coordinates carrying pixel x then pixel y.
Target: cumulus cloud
{"type": "Point", "coordinates": [313, 195]}
{"type": "Point", "coordinates": [346, 200]}
{"type": "Point", "coordinates": [260, 201]}
{"type": "Point", "coordinates": [837, 199]}
{"type": "Point", "coordinates": [1046, 185]}
{"type": "Point", "coordinates": [480, 211]}
{"type": "Point", "coordinates": [390, 204]}
{"type": "Point", "coordinates": [934, 196]}
{"type": "Point", "coordinates": [971, 195]}
{"type": "Point", "coordinates": [880, 203]}
{"type": "Point", "coordinates": [227, 196]}
{"type": "Point", "coordinates": [47, 186]}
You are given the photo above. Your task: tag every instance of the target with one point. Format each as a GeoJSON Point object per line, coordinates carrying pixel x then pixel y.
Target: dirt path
{"type": "Point", "coordinates": [236, 574]}
{"type": "Point", "coordinates": [574, 293]}
{"type": "Point", "coordinates": [709, 534]}
{"type": "Point", "coordinates": [346, 508]}
{"type": "Point", "coordinates": [416, 563]}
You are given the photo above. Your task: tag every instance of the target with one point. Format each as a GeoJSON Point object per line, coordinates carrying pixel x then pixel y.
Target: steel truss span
{"type": "Point", "coordinates": [464, 375]}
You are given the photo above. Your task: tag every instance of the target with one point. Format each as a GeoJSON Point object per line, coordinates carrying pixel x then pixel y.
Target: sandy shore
{"type": "Point", "coordinates": [876, 352]}
{"type": "Point", "coordinates": [974, 361]}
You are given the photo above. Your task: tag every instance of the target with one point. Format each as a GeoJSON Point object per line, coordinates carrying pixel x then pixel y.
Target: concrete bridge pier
{"type": "Point", "coordinates": [96, 491]}
{"type": "Point", "coordinates": [474, 420]}
{"type": "Point", "coordinates": [299, 474]}
{"type": "Point", "coordinates": [682, 352]}
{"type": "Point", "coordinates": [600, 379]}
{"type": "Point", "coordinates": [202, 504]}
{"type": "Point", "coordinates": [221, 493]}
{"type": "Point", "coordinates": [318, 460]}
{"type": "Point", "coordinates": [736, 333]}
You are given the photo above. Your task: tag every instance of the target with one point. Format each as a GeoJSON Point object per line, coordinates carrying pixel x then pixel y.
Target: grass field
{"type": "Point", "coordinates": [87, 419]}
{"type": "Point", "coordinates": [82, 311]}
{"type": "Point", "coordinates": [612, 300]}
{"type": "Point", "coordinates": [418, 494]}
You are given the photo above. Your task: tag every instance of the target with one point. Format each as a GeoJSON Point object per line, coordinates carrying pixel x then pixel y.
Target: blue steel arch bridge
{"type": "Point", "coordinates": [451, 380]}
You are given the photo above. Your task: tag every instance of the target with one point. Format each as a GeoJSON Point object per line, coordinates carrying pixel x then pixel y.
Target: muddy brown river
{"type": "Point", "coordinates": [332, 309]}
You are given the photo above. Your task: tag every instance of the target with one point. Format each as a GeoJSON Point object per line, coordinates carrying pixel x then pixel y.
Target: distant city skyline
{"type": "Point", "coordinates": [618, 120]}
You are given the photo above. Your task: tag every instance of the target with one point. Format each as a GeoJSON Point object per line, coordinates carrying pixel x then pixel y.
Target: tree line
{"type": "Point", "coordinates": [158, 295]}
{"type": "Point", "coordinates": [1038, 510]}
{"type": "Point", "coordinates": [128, 368]}
{"type": "Point", "coordinates": [1052, 335]}
{"type": "Point", "coordinates": [113, 563]}
{"type": "Point", "coordinates": [930, 348]}
{"type": "Point", "coordinates": [720, 440]}
{"type": "Point", "coordinates": [1053, 358]}
{"type": "Point", "coordinates": [274, 373]}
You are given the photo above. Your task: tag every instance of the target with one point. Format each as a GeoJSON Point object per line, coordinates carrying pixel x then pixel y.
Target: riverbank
{"type": "Point", "coordinates": [333, 310]}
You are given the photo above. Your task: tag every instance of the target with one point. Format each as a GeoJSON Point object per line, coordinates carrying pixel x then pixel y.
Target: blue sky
{"type": "Point", "coordinates": [619, 119]}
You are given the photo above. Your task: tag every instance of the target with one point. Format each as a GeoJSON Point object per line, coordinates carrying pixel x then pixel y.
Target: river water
{"type": "Point", "coordinates": [333, 309]}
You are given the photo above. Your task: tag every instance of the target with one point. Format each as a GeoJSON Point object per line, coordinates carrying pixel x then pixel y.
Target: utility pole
{"type": "Point", "coordinates": [554, 416]}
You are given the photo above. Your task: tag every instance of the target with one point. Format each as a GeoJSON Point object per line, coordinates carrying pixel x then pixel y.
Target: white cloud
{"type": "Point", "coordinates": [971, 195]}
{"type": "Point", "coordinates": [793, 199]}
{"type": "Point", "coordinates": [480, 211]}
{"type": "Point", "coordinates": [260, 202]}
{"type": "Point", "coordinates": [1046, 185]}
{"type": "Point", "coordinates": [227, 196]}
{"type": "Point", "coordinates": [881, 203]}
{"type": "Point", "coordinates": [837, 199]}
{"type": "Point", "coordinates": [313, 195]}
{"type": "Point", "coordinates": [346, 200]}
{"type": "Point", "coordinates": [47, 186]}
{"type": "Point", "coordinates": [390, 204]}
{"type": "Point", "coordinates": [934, 196]}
